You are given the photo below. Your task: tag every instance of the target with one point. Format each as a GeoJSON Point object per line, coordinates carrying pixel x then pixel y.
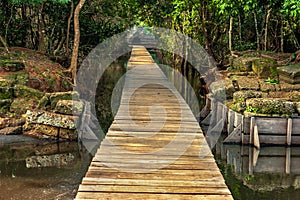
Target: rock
{"type": "Point", "coordinates": [55, 97]}
{"type": "Point", "coordinates": [22, 91]}
{"type": "Point", "coordinates": [13, 66]}
{"type": "Point", "coordinates": [21, 105]}
{"type": "Point", "coordinates": [44, 102]}
{"type": "Point", "coordinates": [270, 106]}
{"type": "Point", "coordinates": [52, 119]}
{"type": "Point", "coordinates": [47, 130]}
{"type": "Point", "coordinates": [5, 82]}
{"type": "Point", "coordinates": [69, 107]}
{"type": "Point", "coordinates": [267, 87]}
{"type": "Point", "coordinates": [222, 89]}
{"type": "Point", "coordinates": [243, 63]}
{"type": "Point", "coordinates": [67, 134]}
{"type": "Point", "coordinates": [6, 92]}
{"type": "Point", "coordinates": [247, 83]}
{"type": "Point", "coordinates": [290, 73]}
{"type": "Point", "coordinates": [18, 78]}
{"type": "Point", "coordinates": [264, 67]}
{"type": "Point", "coordinates": [287, 87]}
{"type": "Point", "coordinates": [11, 130]}
{"type": "Point", "coordinates": [241, 96]}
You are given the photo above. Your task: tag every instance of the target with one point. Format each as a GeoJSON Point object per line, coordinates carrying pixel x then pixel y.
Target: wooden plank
{"type": "Point", "coordinates": [252, 124]}
{"type": "Point", "coordinates": [271, 125]}
{"type": "Point", "coordinates": [139, 196]}
{"type": "Point", "coordinates": [235, 136]}
{"type": "Point", "coordinates": [296, 126]}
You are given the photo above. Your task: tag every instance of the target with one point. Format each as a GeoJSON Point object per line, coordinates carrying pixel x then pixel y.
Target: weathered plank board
{"type": "Point", "coordinates": [148, 153]}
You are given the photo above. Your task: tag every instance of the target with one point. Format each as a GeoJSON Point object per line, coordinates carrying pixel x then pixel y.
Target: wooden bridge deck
{"type": "Point", "coordinates": [155, 148]}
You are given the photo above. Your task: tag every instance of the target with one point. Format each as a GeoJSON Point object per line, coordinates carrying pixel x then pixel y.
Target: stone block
{"type": "Point", "coordinates": [55, 97]}
{"type": "Point", "coordinates": [69, 107]}
{"type": "Point", "coordinates": [52, 119]}
{"type": "Point", "coordinates": [241, 96]}
{"type": "Point", "coordinates": [264, 67]}
{"type": "Point", "coordinates": [290, 73]}
{"type": "Point", "coordinates": [21, 91]}
{"type": "Point", "coordinates": [243, 63]}
{"type": "Point", "coordinates": [270, 106]}
{"type": "Point", "coordinates": [50, 131]}
{"type": "Point", "coordinates": [67, 134]}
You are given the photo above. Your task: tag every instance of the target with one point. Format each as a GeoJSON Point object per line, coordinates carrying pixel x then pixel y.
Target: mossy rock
{"type": "Point", "coordinates": [241, 96]}
{"type": "Point", "coordinates": [69, 107]}
{"type": "Point", "coordinates": [265, 68]}
{"type": "Point", "coordinates": [21, 91]}
{"type": "Point", "coordinates": [6, 82]}
{"type": "Point", "coordinates": [12, 66]}
{"type": "Point", "coordinates": [243, 63]}
{"type": "Point", "coordinates": [270, 106]}
{"type": "Point", "coordinates": [20, 106]}
{"type": "Point", "coordinates": [290, 73]}
{"type": "Point", "coordinates": [6, 92]}
{"type": "Point", "coordinates": [18, 78]}
{"type": "Point", "coordinates": [55, 97]}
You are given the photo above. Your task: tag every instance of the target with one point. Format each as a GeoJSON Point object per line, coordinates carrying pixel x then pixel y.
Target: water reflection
{"type": "Point", "coordinates": [41, 170]}
{"type": "Point", "coordinates": [268, 173]}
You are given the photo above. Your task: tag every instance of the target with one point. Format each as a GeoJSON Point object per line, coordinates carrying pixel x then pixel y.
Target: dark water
{"type": "Point", "coordinates": [271, 173]}
{"type": "Point", "coordinates": [41, 170]}
{"type": "Point", "coordinates": [35, 169]}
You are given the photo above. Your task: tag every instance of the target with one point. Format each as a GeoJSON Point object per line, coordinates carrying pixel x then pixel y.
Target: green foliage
{"type": "Point", "coordinates": [272, 81]}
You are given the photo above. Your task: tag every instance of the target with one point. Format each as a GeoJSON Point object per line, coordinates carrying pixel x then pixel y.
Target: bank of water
{"type": "Point", "coordinates": [271, 173]}
{"type": "Point", "coordinates": [39, 169]}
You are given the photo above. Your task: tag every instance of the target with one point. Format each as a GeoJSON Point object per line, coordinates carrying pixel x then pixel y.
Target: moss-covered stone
{"type": "Point", "coordinates": [297, 106]}
{"type": "Point", "coordinates": [18, 78]}
{"type": "Point", "coordinates": [12, 66]}
{"type": "Point", "coordinates": [247, 83]}
{"type": "Point", "coordinates": [241, 96]}
{"type": "Point", "coordinates": [6, 92]}
{"type": "Point", "coordinates": [20, 106]}
{"type": "Point", "coordinates": [44, 102]}
{"type": "Point", "coordinates": [290, 73]}
{"type": "Point", "coordinates": [243, 63]}
{"type": "Point", "coordinates": [55, 97]}
{"type": "Point", "coordinates": [67, 134]}
{"type": "Point", "coordinates": [69, 107]}
{"type": "Point", "coordinates": [50, 131]}
{"type": "Point", "coordinates": [21, 91]}
{"type": "Point", "coordinates": [270, 106]}
{"type": "Point", "coordinates": [265, 68]}
{"type": "Point", "coordinates": [5, 82]}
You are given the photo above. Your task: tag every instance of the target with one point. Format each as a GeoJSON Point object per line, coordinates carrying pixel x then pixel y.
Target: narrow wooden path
{"type": "Point", "coordinates": [155, 148]}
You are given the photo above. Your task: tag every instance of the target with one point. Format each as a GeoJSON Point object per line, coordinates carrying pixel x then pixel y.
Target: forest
{"type": "Point", "coordinates": [67, 30]}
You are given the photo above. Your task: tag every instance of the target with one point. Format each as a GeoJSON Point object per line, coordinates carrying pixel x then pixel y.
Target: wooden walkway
{"type": "Point", "coordinates": [155, 148]}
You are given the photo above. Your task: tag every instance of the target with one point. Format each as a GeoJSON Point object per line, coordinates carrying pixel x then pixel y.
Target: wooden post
{"type": "Point", "coordinates": [256, 137]}
{"type": "Point", "coordinates": [230, 127]}
{"type": "Point", "coordinates": [288, 160]}
{"type": "Point", "coordinates": [289, 132]}
{"type": "Point", "coordinates": [252, 123]}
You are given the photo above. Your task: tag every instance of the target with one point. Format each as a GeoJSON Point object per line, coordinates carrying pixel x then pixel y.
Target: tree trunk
{"type": "Point", "coordinates": [266, 29]}
{"type": "Point", "coordinates": [240, 30]}
{"type": "Point", "coordinates": [282, 34]}
{"type": "Point", "coordinates": [2, 40]}
{"type": "Point", "coordinates": [230, 34]}
{"type": "Point", "coordinates": [204, 30]}
{"type": "Point", "coordinates": [68, 28]}
{"type": "Point", "coordinates": [41, 28]}
{"type": "Point", "coordinates": [257, 33]}
{"type": "Point", "coordinates": [73, 67]}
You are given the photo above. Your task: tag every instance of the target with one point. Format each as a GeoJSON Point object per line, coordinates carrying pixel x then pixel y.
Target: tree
{"type": "Point", "coordinates": [73, 66]}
